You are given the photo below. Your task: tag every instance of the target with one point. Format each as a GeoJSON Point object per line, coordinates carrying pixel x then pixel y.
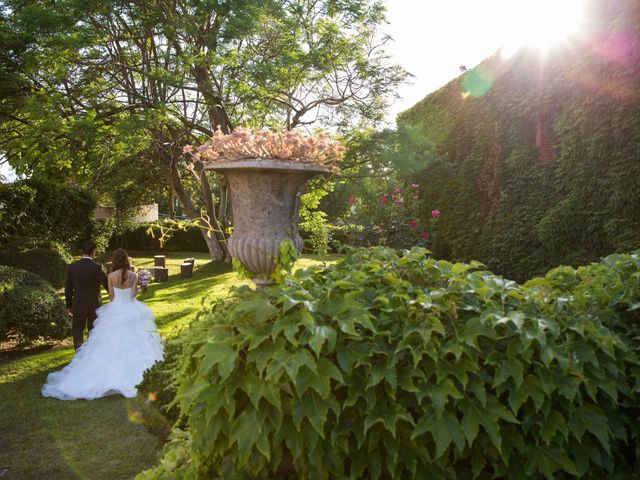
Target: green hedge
{"type": "Point", "coordinates": [42, 209]}
{"type": "Point", "coordinates": [28, 243]}
{"type": "Point", "coordinates": [45, 258]}
{"type": "Point", "coordinates": [189, 240]}
{"type": "Point", "coordinates": [520, 217]}
{"type": "Point", "coordinates": [388, 366]}
{"type": "Point", "coordinates": [29, 307]}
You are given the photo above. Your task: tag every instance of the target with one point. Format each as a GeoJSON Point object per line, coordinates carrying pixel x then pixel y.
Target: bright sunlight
{"type": "Point", "coordinates": [465, 32]}
{"type": "Point", "coordinates": [542, 24]}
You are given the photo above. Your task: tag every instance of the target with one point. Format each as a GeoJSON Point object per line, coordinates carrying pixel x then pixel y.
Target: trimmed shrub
{"type": "Point", "coordinates": [44, 209]}
{"type": "Point", "coordinates": [137, 239]}
{"type": "Point", "coordinates": [388, 366]}
{"type": "Point", "coordinates": [42, 257]}
{"type": "Point", "coordinates": [29, 307]}
{"type": "Point", "coordinates": [157, 391]}
{"type": "Point", "coordinates": [28, 243]}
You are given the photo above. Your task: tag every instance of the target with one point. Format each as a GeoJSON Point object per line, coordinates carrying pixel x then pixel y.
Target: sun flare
{"type": "Point", "coordinates": [542, 24]}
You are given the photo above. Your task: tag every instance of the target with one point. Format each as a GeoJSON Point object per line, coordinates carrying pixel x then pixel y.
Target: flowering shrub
{"type": "Point", "coordinates": [397, 216]}
{"type": "Point", "coordinates": [243, 143]}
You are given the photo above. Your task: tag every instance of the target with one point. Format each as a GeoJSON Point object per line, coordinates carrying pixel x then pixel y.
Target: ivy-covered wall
{"type": "Point", "coordinates": [538, 157]}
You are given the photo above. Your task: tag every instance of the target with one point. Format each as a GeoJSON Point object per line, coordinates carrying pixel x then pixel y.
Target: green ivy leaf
{"type": "Point", "coordinates": [553, 424]}
{"type": "Point", "coordinates": [439, 393]}
{"type": "Point", "coordinates": [590, 418]}
{"type": "Point", "coordinates": [245, 431]}
{"type": "Point", "coordinates": [444, 428]}
{"type": "Point", "coordinates": [509, 368]}
{"type": "Point", "coordinates": [312, 408]}
{"type": "Point", "coordinates": [547, 461]}
{"type": "Point", "coordinates": [217, 353]}
{"type": "Point", "coordinates": [320, 335]}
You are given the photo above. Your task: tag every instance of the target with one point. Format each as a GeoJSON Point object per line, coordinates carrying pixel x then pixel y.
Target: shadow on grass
{"type": "Point", "coordinates": [204, 278]}
{"type": "Point", "coordinates": [49, 438]}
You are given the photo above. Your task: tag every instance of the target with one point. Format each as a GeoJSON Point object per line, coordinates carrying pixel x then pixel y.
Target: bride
{"type": "Point", "coordinates": [123, 343]}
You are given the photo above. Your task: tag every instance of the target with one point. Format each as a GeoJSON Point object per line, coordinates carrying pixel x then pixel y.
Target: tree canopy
{"type": "Point", "coordinates": [115, 89]}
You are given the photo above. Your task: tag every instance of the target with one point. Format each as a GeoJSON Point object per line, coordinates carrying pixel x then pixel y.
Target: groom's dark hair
{"type": "Point", "coordinates": [88, 247]}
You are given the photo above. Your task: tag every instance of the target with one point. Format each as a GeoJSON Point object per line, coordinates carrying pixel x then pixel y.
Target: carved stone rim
{"type": "Point", "coordinates": [266, 164]}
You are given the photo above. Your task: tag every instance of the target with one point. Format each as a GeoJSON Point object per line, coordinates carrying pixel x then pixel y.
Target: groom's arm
{"type": "Point", "coordinates": [68, 291]}
{"type": "Point", "coordinates": [103, 279]}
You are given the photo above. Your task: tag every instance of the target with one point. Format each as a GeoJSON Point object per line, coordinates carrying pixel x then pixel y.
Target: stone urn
{"type": "Point", "coordinates": [264, 204]}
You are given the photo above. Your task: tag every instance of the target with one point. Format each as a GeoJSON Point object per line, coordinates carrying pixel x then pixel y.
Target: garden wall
{"type": "Point", "coordinates": [538, 161]}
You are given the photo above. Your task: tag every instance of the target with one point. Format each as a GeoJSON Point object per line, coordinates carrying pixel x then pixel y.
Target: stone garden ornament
{"type": "Point", "coordinates": [266, 172]}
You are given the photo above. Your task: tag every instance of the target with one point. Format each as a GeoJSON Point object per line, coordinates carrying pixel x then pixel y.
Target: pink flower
{"type": "Point", "coordinates": [384, 199]}
{"type": "Point", "coordinates": [400, 202]}
{"type": "Point", "coordinates": [424, 235]}
{"type": "Point", "coordinates": [398, 189]}
{"type": "Point", "coordinates": [190, 167]}
{"type": "Point", "coordinates": [394, 197]}
{"type": "Point", "coordinates": [415, 186]}
{"type": "Point", "coordinates": [435, 213]}
{"type": "Point", "coordinates": [415, 197]}
{"type": "Point", "coordinates": [352, 199]}
{"type": "Point", "coordinates": [414, 224]}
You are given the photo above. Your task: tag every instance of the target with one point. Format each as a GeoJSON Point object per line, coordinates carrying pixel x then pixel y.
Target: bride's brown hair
{"type": "Point", "coordinates": [120, 260]}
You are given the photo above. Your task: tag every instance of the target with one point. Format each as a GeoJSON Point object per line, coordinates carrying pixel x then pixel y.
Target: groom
{"type": "Point", "coordinates": [82, 292]}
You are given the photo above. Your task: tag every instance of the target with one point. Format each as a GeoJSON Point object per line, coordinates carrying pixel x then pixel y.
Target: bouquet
{"type": "Point", "coordinates": [144, 278]}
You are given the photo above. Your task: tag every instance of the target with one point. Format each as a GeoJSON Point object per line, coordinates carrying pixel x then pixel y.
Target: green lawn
{"type": "Point", "coordinates": [44, 438]}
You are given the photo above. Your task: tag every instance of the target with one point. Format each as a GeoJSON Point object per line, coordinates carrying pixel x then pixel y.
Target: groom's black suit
{"type": "Point", "coordinates": [82, 294]}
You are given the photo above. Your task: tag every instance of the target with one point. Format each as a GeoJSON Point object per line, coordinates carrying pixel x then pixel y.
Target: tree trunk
{"type": "Point", "coordinates": [223, 184]}
{"type": "Point", "coordinates": [215, 104]}
{"type": "Point", "coordinates": [219, 119]}
{"type": "Point", "coordinates": [172, 210]}
{"type": "Point", "coordinates": [170, 169]}
{"type": "Point", "coordinates": [218, 254]}
{"type": "Point", "coordinates": [211, 209]}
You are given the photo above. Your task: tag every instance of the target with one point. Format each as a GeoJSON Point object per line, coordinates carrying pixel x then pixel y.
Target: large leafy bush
{"type": "Point", "coordinates": [29, 307]}
{"type": "Point", "coordinates": [43, 257]}
{"type": "Point", "coordinates": [609, 292]}
{"type": "Point", "coordinates": [387, 366]}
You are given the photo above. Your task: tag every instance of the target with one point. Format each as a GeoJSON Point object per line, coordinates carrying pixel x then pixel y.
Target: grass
{"type": "Point", "coordinates": [44, 438]}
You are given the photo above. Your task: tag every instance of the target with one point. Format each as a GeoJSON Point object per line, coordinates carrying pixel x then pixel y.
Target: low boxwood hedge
{"type": "Point", "coordinates": [29, 307]}
{"type": "Point", "coordinates": [402, 366]}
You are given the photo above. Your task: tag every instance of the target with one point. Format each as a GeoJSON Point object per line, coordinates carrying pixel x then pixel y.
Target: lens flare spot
{"type": "Point", "coordinates": [134, 415]}
{"type": "Point", "coordinates": [464, 95]}
{"type": "Point", "coordinates": [478, 81]}
{"type": "Point", "coordinates": [152, 397]}
{"type": "Point", "coordinates": [621, 47]}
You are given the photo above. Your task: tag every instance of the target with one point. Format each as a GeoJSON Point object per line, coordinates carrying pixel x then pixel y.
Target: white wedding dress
{"type": "Point", "coordinates": [123, 343]}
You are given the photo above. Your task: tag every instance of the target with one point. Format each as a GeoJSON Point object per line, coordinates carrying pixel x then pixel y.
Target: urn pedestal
{"type": "Point", "coordinates": [264, 204]}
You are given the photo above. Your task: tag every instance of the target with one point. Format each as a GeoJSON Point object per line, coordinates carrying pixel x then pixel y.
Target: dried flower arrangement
{"type": "Point", "coordinates": [244, 144]}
